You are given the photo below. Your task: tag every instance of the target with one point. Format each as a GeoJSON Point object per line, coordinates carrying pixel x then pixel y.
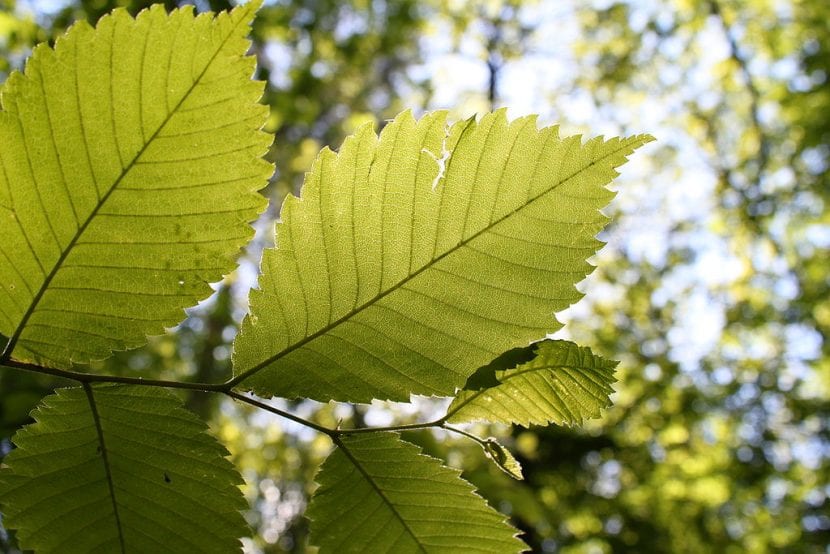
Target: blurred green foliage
{"type": "Point", "coordinates": [722, 447]}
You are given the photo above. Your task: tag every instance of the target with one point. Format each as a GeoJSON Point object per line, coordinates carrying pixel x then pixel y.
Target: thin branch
{"type": "Point", "coordinates": [439, 423]}
{"type": "Point", "coordinates": [478, 439]}
{"type": "Point", "coordinates": [333, 433]}
{"type": "Point", "coordinates": [751, 88]}
{"type": "Point", "coordinates": [32, 368]}
{"type": "Point", "coordinates": [222, 388]}
{"type": "Point", "coordinates": [93, 378]}
{"type": "Point", "coordinates": [406, 427]}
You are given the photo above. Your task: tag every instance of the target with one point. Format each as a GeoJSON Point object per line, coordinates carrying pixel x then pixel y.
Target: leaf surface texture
{"type": "Point", "coordinates": [564, 384]}
{"type": "Point", "coordinates": [380, 494]}
{"type": "Point", "coordinates": [412, 257]}
{"type": "Point", "coordinates": [120, 469]}
{"type": "Point", "coordinates": [128, 175]}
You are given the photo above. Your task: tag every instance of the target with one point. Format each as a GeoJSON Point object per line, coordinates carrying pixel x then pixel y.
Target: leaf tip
{"type": "Point", "coordinates": [253, 5]}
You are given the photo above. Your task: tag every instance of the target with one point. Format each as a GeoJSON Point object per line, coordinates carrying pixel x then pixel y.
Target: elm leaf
{"type": "Point", "coordinates": [128, 174]}
{"type": "Point", "coordinates": [120, 468]}
{"type": "Point", "coordinates": [563, 384]}
{"type": "Point", "coordinates": [412, 258]}
{"type": "Point", "coordinates": [380, 494]}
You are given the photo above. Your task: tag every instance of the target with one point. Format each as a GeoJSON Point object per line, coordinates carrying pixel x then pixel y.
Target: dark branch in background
{"type": "Point", "coordinates": [749, 83]}
{"type": "Point", "coordinates": [503, 39]}
{"type": "Point", "coordinates": [495, 60]}
{"type": "Point", "coordinates": [207, 367]}
{"type": "Point", "coordinates": [762, 161]}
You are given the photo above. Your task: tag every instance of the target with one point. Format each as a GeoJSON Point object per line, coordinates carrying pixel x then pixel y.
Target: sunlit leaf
{"type": "Point", "coordinates": [564, 384]}
{"type": "Point", "coordinates": [379, 494]}
{"type": "Point", "coordinates": [118, 468]}
{"type": "Point", "coordinates": [413, 258]}
{"type": "Point", "coordinates": [128, 175]}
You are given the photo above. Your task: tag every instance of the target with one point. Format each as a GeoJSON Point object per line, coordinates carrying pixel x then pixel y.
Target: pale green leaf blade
{"type": "Point", "coordinates": [380, 494]}
{"type": "Point", "coordinates": [128, 174]}
{"type": "Point", "coordinates": [503, 458]}
{"type": "Point", "coordinates": [120, 469]}
{"type": "Point", "coordinates": [391, 278]}
{"type": "Point", "coordinates": [563, 384]}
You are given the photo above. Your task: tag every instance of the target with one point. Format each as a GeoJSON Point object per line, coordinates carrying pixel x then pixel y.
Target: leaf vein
{"type": "Point", "coordinates": [309, 337]}
{"type": "Point", "coordinates": [104, 458]}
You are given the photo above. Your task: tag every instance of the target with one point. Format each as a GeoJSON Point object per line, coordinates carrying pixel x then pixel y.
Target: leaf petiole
{"type": "Point", "coordinates": [476, 438]}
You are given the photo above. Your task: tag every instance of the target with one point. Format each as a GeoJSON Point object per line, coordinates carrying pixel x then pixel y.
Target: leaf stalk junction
{"type": "Point", "coordinates": [226, 388]}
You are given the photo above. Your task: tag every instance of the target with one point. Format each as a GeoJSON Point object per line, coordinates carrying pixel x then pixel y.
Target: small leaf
{"type": "Point", "coordinates": [117, 468]}
{"type": "Point", "coordinates": [129, 170]}
{"type": "Point", "coordinates": [413, 257]}
{"type": "Point", "coordinates": [503, 458]}
{"type": "Point", "coordinates": [380, 494]}
{"type": "Point", "coordinates": [563, 384]}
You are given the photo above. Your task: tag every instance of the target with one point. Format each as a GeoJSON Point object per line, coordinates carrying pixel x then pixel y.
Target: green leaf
{"type": "Point", "coordinates": [503, 458]}
{"type": "Point", "coordinates": [391, 278]}
{"type": "Point", "coordinates": [485, 376]}
{"type": "Point", "coordinates": [380, 494]}
{"type": "Point", "coordinates": [120, 469]}
{"type": "Point", "coordinates": [564, 384]}
{"type": "Point", "coordinates": [128, 175]}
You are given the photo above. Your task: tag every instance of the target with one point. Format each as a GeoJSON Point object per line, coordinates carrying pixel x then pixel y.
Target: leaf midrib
{"type": "Point", "coordinates": [356, 463]}
{"type": "Point", "coordinates": [624, 144]}
{"type": "Point", "coordinates": [12, 342]}
{"type": "Point", "coordinates": [105, 458]}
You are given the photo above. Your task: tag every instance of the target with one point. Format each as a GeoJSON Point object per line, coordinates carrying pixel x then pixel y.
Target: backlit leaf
{"type": "Point", "coordinates": [118, 468]}
{"type": "Point", "coordinates": [379, 494]}
{"type": "Point", "coordinates": [413, 258]}
{"type": "Point", "coordinates": [128, 175]}
{"type": "Point", "coordinates": [564, 384]}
